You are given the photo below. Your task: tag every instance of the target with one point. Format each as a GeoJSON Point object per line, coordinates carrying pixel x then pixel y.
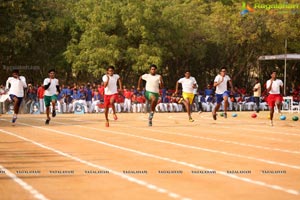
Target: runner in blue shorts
{"type": "Point", "coordinates": [16, 85]}
{"type": "Point", "coordinates": [222, 92]}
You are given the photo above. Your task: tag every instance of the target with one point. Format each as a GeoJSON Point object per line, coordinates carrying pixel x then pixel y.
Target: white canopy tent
{"type": "Point", "coordinates": [284, 57]}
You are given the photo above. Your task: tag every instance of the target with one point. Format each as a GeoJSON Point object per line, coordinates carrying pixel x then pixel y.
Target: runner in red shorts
{"type": "Point", "coordinates": [110, 92]}
{"type": "Point", "coordinates": [274, 87]}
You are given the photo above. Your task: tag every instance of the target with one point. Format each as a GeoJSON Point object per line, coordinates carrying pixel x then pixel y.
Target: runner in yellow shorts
{"type": "Point", "coordinates": [188, 84]}
{"type": "Point", "coordinates": [188, 96]}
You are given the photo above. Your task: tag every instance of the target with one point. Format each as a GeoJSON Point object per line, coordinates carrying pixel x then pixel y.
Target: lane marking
{"type": "Point", "coordinates": [251, 129]}
{"type": "Point", "coordinates": [203, 138]}
{"type": "Point", "coordinates": [191, 147]}
{"type": "Point", "coordinates": [233, 176]}
{"type": "Point", "coordinates": [36, 194]}
{"type": "Point", "coordinates": [220, 140]}
{"type": "Point", "coordinates": [126, 177]}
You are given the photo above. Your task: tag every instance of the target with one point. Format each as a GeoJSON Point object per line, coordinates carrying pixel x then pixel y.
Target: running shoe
{"type": "Point", "coordinates": [151, 115]}
{"type": "Point", "coordinates": [47, 121]}
{"type": "Point", "coordinates": [214, 116]}
{"type": "Point", "coordinates": [150, 122]}
{"type": "Point", "coordinates": [191, 120]}
{"type": "Point", "coordinates": [150, 118]}
{"type": "Point", "coordinates": [225, 115]}
{"type": "Point", "coordinates": [14, 119]}
{"type": "Point", "coordinates": [115, 116]}
{"type": "Point", "coordinates": [53, 113]}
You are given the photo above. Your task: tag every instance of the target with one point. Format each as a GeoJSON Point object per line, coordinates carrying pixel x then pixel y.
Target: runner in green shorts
{"type": "Point", "coordinates": [153, 83]}
{"type": "Point", "coordinates": [49, 99]}
{"type": "Point", "coordinates": [149, 94]}
{"type": "Point", "coordinates": [51, 86]}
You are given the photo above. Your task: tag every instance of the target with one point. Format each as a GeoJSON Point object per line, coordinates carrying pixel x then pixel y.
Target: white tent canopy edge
{"type": "Point", "coordinates": [281, 57]}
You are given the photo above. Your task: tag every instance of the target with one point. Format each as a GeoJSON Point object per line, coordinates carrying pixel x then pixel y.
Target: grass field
{"type": "Point", "coordinates": [77, 157]}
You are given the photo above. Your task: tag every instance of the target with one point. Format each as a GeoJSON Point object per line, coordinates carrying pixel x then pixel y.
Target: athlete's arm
{"type": "Point", "coordinates": [231, 86]}
{"type": "Point", "coordinates": [106, 82]}
{"type": "Point", "coordinates": [281, 89]}
{"type": "Point", "coordinates": [139, 83]}
{"type": "Point", "coordinates": [57, 87]}
{"type": "Point", "coordinates": [270, 87]}
{"type": "Point", "coordinates": [23, 80]}
{"type": "Point", "coordinates": [48, 85]}
{"type": "Point", "coordinates": [218, 83]}
{"type": "Point", "coordinates": [161, 82]}
{"type": "Point", "coordinates": [8, 85]}
{"type": "Point", "coordinates": [176, 87]}
{"type": "Point", "coordinates": [120, 84]}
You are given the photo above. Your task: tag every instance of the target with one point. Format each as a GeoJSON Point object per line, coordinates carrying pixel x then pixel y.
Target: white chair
{"type": "Point", "coordinates": [289, 105]}
{"type": "Point", "coordinates": [295, 107]}
{"type": "Point", "coordinates": [286, 104]}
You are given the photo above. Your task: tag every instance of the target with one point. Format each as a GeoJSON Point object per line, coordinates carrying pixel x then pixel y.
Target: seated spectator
{"type": "Point", "coordinates": [241, 102]}
{"type": "Point", "coordinates": [233, 102]}
{"type": "Point", "coordinates": [3, 98]}
{"type": "Point", "coordinates": [40, 95]}
{"type": "Point", "coordinates": [89, 97]}
{"type": "Point", "coordinates": [119, 103]}
{"type": "Point", "coordinates": [31, 97]}
{"type": "Point", "coordinates": [202, 103]}
{"type": "Point", "coordinates": [95, 101]}
{"type": "Point", "coordinates": [174, 106]}
{"type": "Point", "coordinates": [141, 102]}
{"type": "Point", "coordinates": [134, 103]}
{"type": "Point", "coordinates": [208, 91]}
{"type": "Point", "coordinates": [249, 102]}
{"type": "Point", "coordinates": [210, 101]}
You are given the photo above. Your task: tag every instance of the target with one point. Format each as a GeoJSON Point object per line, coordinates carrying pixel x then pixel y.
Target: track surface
{"type": "Point", "coordinates": [76, 157]}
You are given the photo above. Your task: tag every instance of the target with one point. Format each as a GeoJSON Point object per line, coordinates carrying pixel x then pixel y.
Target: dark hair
{"type": "Point", "coordinates": [273, 71]}
{"type": "Point", "coordinates": [256, 78]}
{"type": "Point", "coordinates": [152, 65]}
{"type": "Point", "coordinates": [223, 68]}
{"type": "Point", "coordinates": [51, 70]}
{"type": "Point", "coordinates": [15, 71]}
{"type": "Point", "coordinates": [110, 67]}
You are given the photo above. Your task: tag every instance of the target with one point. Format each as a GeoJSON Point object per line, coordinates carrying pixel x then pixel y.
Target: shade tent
{"type": "Point", "coordinates": [284, 57]}
{"type": "Point", "coordinates": [280, 57]}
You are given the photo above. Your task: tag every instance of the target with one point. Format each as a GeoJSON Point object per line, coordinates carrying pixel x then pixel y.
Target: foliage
{"type": "Point", "coordinates": [81, 38]}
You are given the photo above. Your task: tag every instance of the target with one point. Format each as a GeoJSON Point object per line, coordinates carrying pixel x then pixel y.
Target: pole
{"type": "Point", "coordinates": [284, 83]}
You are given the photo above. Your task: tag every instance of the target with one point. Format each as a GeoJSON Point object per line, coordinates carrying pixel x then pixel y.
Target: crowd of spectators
{"type": "Point", "coordinates": [90, 96]}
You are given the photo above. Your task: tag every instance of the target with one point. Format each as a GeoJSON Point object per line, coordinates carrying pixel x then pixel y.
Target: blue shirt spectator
{"type": "Point", "coordinates": [76, 95]}
{"type": "Point", "coordinates": [89, 94]}
{"type": "Point", "coordinates": [208, 91]}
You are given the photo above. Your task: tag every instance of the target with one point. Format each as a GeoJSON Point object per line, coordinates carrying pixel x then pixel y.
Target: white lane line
{"type": "Point", "coordinates": [223, 131]}
{"type": "Point", "coordinates": [227, 128]}
{"type": "Point", "coordinates": [36, 194]}
{"type": "Point", "coordinates": [224, 124]}
{"type": "Point", "coordinates": [180, 145]}
{"type": "Point", "coordinates": [213, 139]}
{"type": "Point", "coordinates": [219, 140]}
{"type": "Point", "coordinates": [192, 147]}
{"type": "Point", "coordinates": [233, 176]}
{"type": "Point", "coordinates": [126, 177]}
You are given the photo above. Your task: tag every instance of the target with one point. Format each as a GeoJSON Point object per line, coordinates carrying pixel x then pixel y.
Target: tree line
{"type": "Point", "coordinates": [80, 38]}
